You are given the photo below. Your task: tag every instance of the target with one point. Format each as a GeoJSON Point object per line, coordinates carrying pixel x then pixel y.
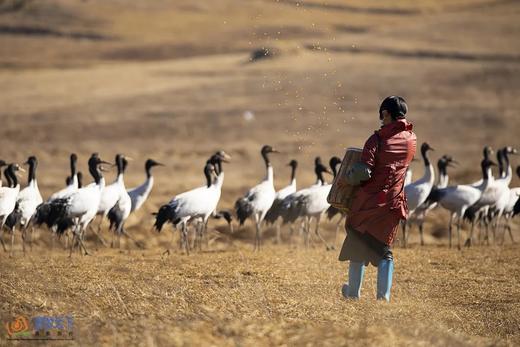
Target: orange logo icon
{"type": "Point", "coordinates": [18, 326]}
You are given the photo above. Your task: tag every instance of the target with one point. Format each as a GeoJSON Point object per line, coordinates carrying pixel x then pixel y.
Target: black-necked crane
{"type": "Point", "coordinates": [420, 213]}
{"type": "Point", "coordinates": [29, 198]}
{"type": "Point", "coordinates": [8, 197]}
{"type": "Point", "coordinates": [418, 191]}
{"type": "Point", "coordinates": [216, 160]}
{"type": "Point", "coordinates": [494, 198]}
{"type": "Point", "coordinates": [189, 206]}
{"type": "Point", "coordinates": [296, 206]}
{"type": "Point", "coordinates": [457, 199]}
{"type": "Point", "coordinates": [480, 215]}
{"type": "Point", "coordinates": [259, 199]}
{"type": "Point", "coordinates": [139, 194]}
{"type": "Point", "coordinates": [276, 209]}
{"type": "Point", "coordinates": [501, 207]}
{"type": "Point", "coordinates": [111, 192]}
{"type": "Point", "coordinates": [80, 206]}
{"type": "Point", "coordinates": [118, 214]}
{"type": "Point", "coordinates": [312, 204]}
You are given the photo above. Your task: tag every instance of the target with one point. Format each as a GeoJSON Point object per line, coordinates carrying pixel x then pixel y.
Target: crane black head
{"type": "Point", "coordinates": [333, 163]}
{"type": "Point", "coordinates": [518, 171]}
{"type": "Point", "coordinates": [487, 152]}
{"type": "Point", "coordinates": [444, 162]}
{"type": "Point", "coordinates": [266, 150]}
{"type": "Point", "coordinates": [209, 171]}
{"type": "Point", "coordinates": [10, 174]}
{"type": "Point", "coordinates": [2, 163]}
{"type": "Point", "coordinates": [425, 147]}
{"type": "Point", "coordinates": [148, 166]}
{"type": "Point", "coordinates": [95, 168]}
{"type": "Point", "coordinates": [33, 163]}
{"type": "Point", "coordinates": [319, 169]}
{"type": "Point", "coordinates": [223, 156]}
{"type": "Point", "coordinates": [217, 159]}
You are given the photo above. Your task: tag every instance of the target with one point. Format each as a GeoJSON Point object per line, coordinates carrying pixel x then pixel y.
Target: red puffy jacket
{"type": "Point", "coordinates": [380, 203]}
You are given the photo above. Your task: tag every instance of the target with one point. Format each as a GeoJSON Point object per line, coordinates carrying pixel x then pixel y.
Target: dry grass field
{"type": "Point", "coordinates": [171, 80]}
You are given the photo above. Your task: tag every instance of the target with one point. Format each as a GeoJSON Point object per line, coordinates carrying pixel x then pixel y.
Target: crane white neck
{"type": "Point", "coordinates": [269, 173]}
{"type": "Point", "coordinates": [220, 179]}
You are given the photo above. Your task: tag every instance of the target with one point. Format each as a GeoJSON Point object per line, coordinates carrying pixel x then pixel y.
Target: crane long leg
{"type": "Point", "coordinates": [421, 233]}
{"type": "Point", "coordinates": [306, 226]}
{"type": "Point", "coordinates": [12, 242]}
{"type": "Point", "coordinates": [469, 240]}
{"type": "Point", "coordinates": [2, 236]}
{"type": "Point", "coordinates": [449, 229]}
{"type": "Point", "coordinates": [205, 232]}
{"type": "Point", "coordinates": [257, 237]}
{"type": "Point", "coordinates": [24, 236]}
{"type": "Point", "coordinates": [404, 234]}
{"type": "Point", "coordinates": [458, 233]}
{"type": "Point", "coordinates": [510, 234]}
{"type": "Point", "coordinates": [278, 234]}
{"type": "Point", "coordinates": [31, 236]}
{"type": "Point", "coordinates": [317, 231]}
{"type": "Point", "coordinates": [80, 239]}
{"type": "Point", "coordinates": [185, 238]}
{"type": "Point", "coordinates": [72, 241]}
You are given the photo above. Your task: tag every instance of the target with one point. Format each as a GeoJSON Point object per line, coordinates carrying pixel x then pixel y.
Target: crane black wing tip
{"type": "Point", "coordinates": [165, 214]}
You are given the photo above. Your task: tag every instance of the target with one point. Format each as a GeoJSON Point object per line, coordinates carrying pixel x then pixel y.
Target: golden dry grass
{"type": "Point", "coordinates": [171, 80]}
{"type": "Point", "coordinates": [283, 295]}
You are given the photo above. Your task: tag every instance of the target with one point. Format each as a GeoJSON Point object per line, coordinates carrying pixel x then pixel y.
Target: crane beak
{"type": "Point", "coordinates": [225, 156]}
{"type": "Point", "coordinates": [21, 169]}
{"type": "Point", "coordinates": [159, 164]}
{"type": "Point", "coordinates": [129, 158]}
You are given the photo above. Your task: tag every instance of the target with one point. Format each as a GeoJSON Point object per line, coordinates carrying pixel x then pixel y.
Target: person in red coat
{"type": "Point", "coordinates": [380, 203]}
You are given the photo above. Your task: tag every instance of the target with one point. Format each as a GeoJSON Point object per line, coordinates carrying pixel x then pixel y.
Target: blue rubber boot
{"type": "Point", "coordinates": [385, 270]}
{"type": "Point", "coordinates": [356, 272]}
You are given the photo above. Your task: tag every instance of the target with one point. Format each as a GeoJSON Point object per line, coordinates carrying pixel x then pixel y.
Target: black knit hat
{"type": "Point", "coordinates": [396, 105]}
